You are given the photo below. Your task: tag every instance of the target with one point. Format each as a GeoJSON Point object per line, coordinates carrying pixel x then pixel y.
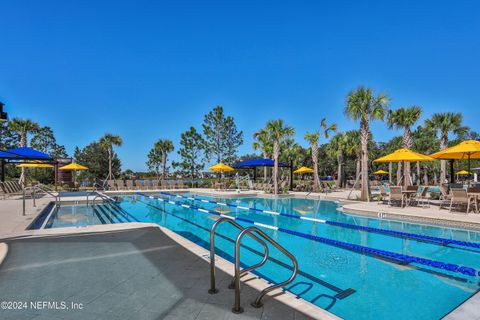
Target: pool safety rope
{"type": "Point", "coordinates": [400, 258]}
{"type": "Point", "coordinates": [441, 241]}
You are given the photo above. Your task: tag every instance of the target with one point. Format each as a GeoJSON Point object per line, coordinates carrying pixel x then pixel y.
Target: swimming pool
{"type": "Point", "coordinates": [349, 284]}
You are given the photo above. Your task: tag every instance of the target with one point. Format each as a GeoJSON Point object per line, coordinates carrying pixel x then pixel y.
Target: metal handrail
{"type": "Point", "coordinates": [44, 188]}
{"type": "Point", "coordinates": [258, 302]}
{"type": "Point", "coordinates": [213, 288]}
{"type": "Point", "coordinates": [100, 195]}
{"type": "Point", "coordinates": [259, 236]}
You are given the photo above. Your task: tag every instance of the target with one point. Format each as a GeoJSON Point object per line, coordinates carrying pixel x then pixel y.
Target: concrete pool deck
{"type": "Point", "coordinates": [140, 273]}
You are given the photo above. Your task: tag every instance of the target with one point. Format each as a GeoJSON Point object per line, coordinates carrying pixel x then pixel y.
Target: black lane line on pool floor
{"type": "Point", "coordinates": [340, 292]}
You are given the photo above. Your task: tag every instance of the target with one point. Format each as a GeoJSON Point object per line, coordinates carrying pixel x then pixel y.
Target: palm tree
{"type": "Point", "coordinates": [405, 118]}
{"type": "Point", "coordinates": [264, 144]}
{"type": "Point", "coordinates": [312, 139]}
{"type": "Point", "coordinates": [165, 146]}
{"type": "Point", "coordinates": [444, 123]}
{"type": "Point", "coordinates": [277, 133]}
{"type": "Point", "coordinates": [361, 104]}
{"type": "Point", "coordinates": [108, 141]}
{"type": "Point", "coordinates": [352, 148]}
{"type": "Point", "coordinates": [336, 149]}
{"type": "Point", "coordinates": [23, 127]}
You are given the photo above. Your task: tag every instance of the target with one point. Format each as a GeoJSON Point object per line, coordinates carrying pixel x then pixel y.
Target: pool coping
{"type": "Point", "coordinates": [298, 304]}
{"type": "Point", "coordinates": [468, 310]}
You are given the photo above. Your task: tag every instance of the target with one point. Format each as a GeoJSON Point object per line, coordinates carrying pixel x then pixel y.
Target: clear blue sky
{"type": "Point", "coordinates": [150, 69]}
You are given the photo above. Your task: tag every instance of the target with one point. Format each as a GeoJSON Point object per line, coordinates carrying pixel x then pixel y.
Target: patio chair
{"type": "Point", "coordinates": [146, 184]}
{"type": "Point", "coordinates": [382, 197]}
{"type": "Point", "coordinates": [396, 196]}
{"type": "Point", "coordinates": [172, 184]}
{"type": "Point", "coordinates": [155, 184]}
{"type": "Point", "coordinates": [129, 184]}
{"type": "Point", "coordinates": [120, 184]}
{"type": "Point", "coordinates": [14, 188]}
{"type": "Point", "coordinates": [444, 197]}
{"type": "Point", "coordinates": [164, 184]}
{"type": "Point", "coordinates": [180, 184]}
{"type": "Point", "coordinates": [460, 199]}
{"type": "Point", "coordinates": [111, 185]}
{"type": "Point", "coordinates": [422, 197]}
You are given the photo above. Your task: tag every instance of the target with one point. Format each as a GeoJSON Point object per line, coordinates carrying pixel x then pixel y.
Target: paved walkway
{"type": "Point", "coordinates": [430, 214]}
{"type": "Point", "coordinates": [129, 274]}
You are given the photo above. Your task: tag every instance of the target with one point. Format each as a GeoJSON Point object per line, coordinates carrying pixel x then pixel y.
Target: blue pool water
{"type": "Point", "coordinates": [381, 289]}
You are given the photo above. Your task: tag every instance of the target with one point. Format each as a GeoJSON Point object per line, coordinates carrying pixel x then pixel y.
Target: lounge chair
{"type": "Point", "coordinates": [180, 184]}
{"type": "Point", "coordinates": [146, 184]}
{"type": "Point", "coordinates": [14, 188]}
{"type": "Point", "coordinates": [422, 197]}
{"type": "Point", "coordinates": [129, 184]}
{"type": "Point", "coordinates": [164, 184]}
{"type": "Point", "coordinates": [396, 196]}
{"type": "Point", "coordinates": [155, 184]}
{"type": "Point", "coordinates": [382, 197]}
{"type": "Point", "coordinates": [120, 184]}
{"type": "Point", "coordinates": [460, 199]}
{"type": "Point", "coordinates": [111, 185]}
{"type": "Point", "coordinates": [172, 184]}
{"type": "Point", "coordinates": [444, 197]}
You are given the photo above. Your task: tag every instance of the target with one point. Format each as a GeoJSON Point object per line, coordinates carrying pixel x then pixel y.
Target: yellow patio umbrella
{"type": "Point", "coordinates": [404, 155]}
{"type": "Point", "coordinates": [303, 170]}
{"type": "Point", "coordinates": [380, 172]}
{"type": "Point", "coordinates": [463, 172]}
{"type": "Point", "coordinates": [73, 167]}
{"type": "Point", "coordinates": [34, 165]}
{"type": "Point", "coordinates": [220, 167]}
{"type": "Point", "coordinates": [468, 149]}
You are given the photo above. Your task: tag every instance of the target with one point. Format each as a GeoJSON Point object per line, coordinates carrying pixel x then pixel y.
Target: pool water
{"type": "Point", "coordinates": [347, 283]}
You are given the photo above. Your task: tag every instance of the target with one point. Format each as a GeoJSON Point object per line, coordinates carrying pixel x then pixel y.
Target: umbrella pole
{"type": "Point", "coordinates": [468, 176]}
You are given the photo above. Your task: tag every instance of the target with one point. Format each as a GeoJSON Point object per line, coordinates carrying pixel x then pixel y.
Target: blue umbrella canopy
{"type": "Point", "coordinates": [259, 163]}
{"type": "Point", "coordinates": [24, 153]}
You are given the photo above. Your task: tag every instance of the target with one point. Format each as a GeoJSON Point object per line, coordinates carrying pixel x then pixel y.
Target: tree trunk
{"type": "Point", "coordinates": [339, 169]}
{"type": "Point", "coordinates": [264, 169]}
{"type": "Point", "coordinates": [110, 154]}
{"type": "Point", "coordinates": [23, 143]}
{"type": "Point", "coordinates": [425, 175]}
{"type": "Point", "coordinates": [276, 152]}
{"type": "Point", "coordinates": [316, 179]}
{"type": "Point", "coordinates": [164, 166]}
{"type": "Point", "coordinates": [399, 173]}
{"type": "Point", "coordinates": [407, 143]}
{"type": "Point", "coordinates": [390, 174]}
{"type": "Point", "coordinates": [443, 163]}
{"type": "Point", "coordinates": [364, 132]}
{"type": "Point", "coordinates": [418, 174]}
{"type": "Point", "coordinates": [358, 167]}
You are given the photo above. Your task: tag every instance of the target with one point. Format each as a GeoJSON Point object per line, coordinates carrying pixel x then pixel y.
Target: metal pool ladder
{"type": "Point", "coordinates": [259, 236]}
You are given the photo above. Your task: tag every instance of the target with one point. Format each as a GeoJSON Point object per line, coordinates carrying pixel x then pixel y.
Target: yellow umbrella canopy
{"type": "Point", "coordinates": [463, 172]}
{"type": "Point", "coordinates": [303, 170]}
{"type": "Point", "coordinates": [220, 167]}
{"type": "Point", "coordinates": [35, 165]}
{"type": "Point", "coordinates": [464, 150]}
{"type": "Point", "coordinates": [404, 155]}
{"type": "Point", "coordinates": [73, 166]}
{"type": "Point", "coordinates": [380, 172]}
